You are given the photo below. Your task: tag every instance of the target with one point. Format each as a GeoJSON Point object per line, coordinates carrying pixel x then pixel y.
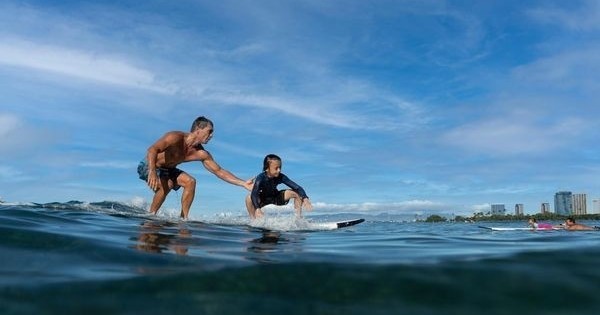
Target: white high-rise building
{"type": "Point", "coordinates": [498, 209]}
{"type": "Point", "coordinates": [579, 204]}
{"type": "Point", "coordinates": [596, 206]}
{"type": "Point", "coordinates": [519, 209]}
{"type": "Point", "coordinates": [545, 207]}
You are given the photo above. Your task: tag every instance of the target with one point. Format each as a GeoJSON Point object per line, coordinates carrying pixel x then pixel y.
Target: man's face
{"type": "Point", "coordinates": [205, 134]}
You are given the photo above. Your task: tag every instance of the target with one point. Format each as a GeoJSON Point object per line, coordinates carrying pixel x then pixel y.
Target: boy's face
{"type": "Point", "coordinates": [274, 168]}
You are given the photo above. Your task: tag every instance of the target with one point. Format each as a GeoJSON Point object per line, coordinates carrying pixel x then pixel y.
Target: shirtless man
{"type": "Point", "coordinates": [572, 226]}
{"type": "Point", "coordinates": [159, 170]}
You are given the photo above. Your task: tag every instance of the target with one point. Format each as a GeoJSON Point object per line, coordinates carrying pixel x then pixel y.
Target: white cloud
{"type": "Point", "coordinates": [79, 64]}
{"type": "Point", "coordinates": [110, 164]}
{"type": "Point", "coordinates": [486, 207]}
{"type": "Point", "coordinates": [209, 75]}
{"type": "Point", "coordinates": [586, 17]}
{"type": "Point", "coordinates": [298, 109]}
{"type": "Point", "coordinates": [513, 135]}
{"type": "Point", "coordinates": [410, 206]}
{"type": "Point", "coordinates": [10, 174]}
{"type": "Point", "coordinates": [573, 68]}
{"type": "Point", "coordinates": [8, 125]}
{"type": "Point", "coordinates": [20, 137]}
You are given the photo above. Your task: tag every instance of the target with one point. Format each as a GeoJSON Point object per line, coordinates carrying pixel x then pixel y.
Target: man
{"type": "Point", "coordinates": [572, 226]}
{"type": "Point", "coordinates": [176, 147]}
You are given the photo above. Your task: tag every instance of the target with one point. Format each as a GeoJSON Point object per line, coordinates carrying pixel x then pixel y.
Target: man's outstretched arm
{"type": "Point", "coordinates": [225, 175]}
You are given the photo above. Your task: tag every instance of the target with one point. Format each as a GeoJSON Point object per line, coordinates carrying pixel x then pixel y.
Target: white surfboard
{"type": "Point", "coordinates": [496, 228]}
{"type": "Point", "coordinates": [335, 225]}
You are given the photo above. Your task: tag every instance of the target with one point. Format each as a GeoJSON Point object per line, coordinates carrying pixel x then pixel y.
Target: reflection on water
{"type": "Point", "coordinates": [273, 246]}
{"type": "Point", "coordinates": [159, 237]}
{"type": "Point", "coordinates": [212, 241]}
{"type": "Point", "coordinates": [266, 243]}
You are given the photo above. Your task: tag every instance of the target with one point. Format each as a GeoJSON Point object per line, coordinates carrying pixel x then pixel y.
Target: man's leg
{"type": "Point", "coordinates": [189, 191]}
{"type": "Point", "coordinates": [160, 195]}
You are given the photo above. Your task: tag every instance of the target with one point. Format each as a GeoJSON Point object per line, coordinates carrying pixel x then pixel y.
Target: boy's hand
{"type": "Point", "coordinates": [306, 204]}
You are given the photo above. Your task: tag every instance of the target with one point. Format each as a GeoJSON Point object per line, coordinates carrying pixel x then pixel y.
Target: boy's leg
{"type": "Point", "coordinates": [289, 194]}
{"type": "Point", "coordinates": [250, 207]}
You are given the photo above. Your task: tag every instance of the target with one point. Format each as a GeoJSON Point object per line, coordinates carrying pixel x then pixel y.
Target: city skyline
{"type": "Point", "coordinates": [565, 203]}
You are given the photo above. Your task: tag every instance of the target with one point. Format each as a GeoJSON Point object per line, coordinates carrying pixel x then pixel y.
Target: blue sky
{"type": "Point", "coordinates": [396, 106]}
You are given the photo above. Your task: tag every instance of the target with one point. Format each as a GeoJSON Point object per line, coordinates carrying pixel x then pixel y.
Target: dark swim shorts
{"type": "Point", "coordinates": [170, 173]}
{"type": "Point", "coordinates": [278, 200]}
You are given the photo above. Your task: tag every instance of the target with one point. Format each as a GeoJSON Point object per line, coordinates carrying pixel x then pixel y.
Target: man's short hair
{"type": "Point", "coordinates": [200, 123]}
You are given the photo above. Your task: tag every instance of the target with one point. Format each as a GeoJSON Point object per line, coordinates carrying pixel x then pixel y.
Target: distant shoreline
{"type": "Point", "coordinates": [510, 217]}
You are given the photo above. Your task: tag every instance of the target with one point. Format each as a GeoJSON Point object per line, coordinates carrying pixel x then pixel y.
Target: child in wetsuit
{"type": "Point", "coordinates": [265, 192]}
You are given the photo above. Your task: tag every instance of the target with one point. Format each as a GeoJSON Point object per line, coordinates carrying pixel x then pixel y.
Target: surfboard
{"type": "Point", "coordinates": [303, 225]}
{"type": "Point", "coordinates": [497, 228]}
{"type": "Point", "coordinates": [287, 224]}
{"type": "Point", "coordinates": [336, 225]}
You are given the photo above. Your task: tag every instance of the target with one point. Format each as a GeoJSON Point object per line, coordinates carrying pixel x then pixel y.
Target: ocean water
{"type": "Point", "coordinates": [110, 258]}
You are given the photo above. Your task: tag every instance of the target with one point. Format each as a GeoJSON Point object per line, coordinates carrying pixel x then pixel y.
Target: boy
{"type": "Point", "coordinates": [265, 192]}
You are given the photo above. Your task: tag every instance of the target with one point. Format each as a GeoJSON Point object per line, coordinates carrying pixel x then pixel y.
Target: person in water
{"type": "Point", "coordinates": [159, 169]}
{"type": "Point", "coordinates": [571, 225]}
{"type": "Point", "coordinates": [539, 226]}
{"type": "Point", "coordinates": [265, 192]}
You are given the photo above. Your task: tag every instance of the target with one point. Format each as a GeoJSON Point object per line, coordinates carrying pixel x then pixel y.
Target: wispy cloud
{"type": "Point", "coordinates": [585, 17]}
{"type": "Point", "coordinates": [513, 135]}
{"type": "Point", "coordinates": [409, 207]}
{"type": "Point", "coordinates": [324, 96]}
{"type": "Point", "coordinates": [18, 137]}
{"type": "Point", "coordinates": [110, 164]}
{"type": "Point", "coordinates": [485, 207]}
{"type": "Point", "coordinates": [78, 64]}
{"type": "Point", "coordinates": [8, 125]}
{"type": "Point", "coordinates": [577, 69]}
{"type": "Point", "coordinates": [12, 175]}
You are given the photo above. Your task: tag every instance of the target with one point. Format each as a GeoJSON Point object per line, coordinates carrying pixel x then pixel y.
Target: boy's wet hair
{"type": "Point", "coordinates": [268, 159]}
{"type": "Point", "coordinates": [200, 123]}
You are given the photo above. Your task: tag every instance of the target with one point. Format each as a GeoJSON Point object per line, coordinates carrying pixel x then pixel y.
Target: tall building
{"type": "Point", "coordinates": [579, 204]}
{"type": "Point", "coordinates": [498, 209]}
{"type": "Point", "coordinates": [596, 206]}
{"type": "Point", "coordinates": [519, 209]}
{"type": "Point", "coordinates": [545, 207]}
{"type": "Point", "coordinates": [563, 202]}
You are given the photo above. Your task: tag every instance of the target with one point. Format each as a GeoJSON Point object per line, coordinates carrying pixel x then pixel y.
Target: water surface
{"type": "Point", "coordinates": [110, 258]}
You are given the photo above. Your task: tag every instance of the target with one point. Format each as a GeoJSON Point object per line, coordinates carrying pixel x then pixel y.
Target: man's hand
{"type": "Point", "coordinates": [153, 181]}
{"type": "Point", "coordinates": [249, 184]}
